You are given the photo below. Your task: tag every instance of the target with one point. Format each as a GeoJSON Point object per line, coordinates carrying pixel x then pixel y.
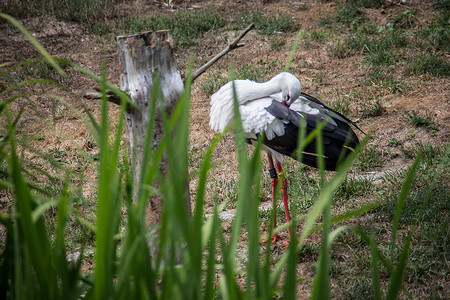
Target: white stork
{"type": "Point", "coordinates": [276, 108]}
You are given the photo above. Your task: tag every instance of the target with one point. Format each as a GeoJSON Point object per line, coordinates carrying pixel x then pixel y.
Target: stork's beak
{"type": "Point", "coordinates": [287, 101]}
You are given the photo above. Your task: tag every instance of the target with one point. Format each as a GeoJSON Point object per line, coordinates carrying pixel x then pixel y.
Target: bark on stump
{"type": "Point", "coordinates": [139, 56]}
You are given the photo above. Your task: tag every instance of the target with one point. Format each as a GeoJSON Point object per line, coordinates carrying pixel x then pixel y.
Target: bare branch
{"type": "Point", "coordinates": [110, 96]}
{"type": "Point", "coordinates": [230, 47]}
{"type": "Point", "coordinates": [113, 98]}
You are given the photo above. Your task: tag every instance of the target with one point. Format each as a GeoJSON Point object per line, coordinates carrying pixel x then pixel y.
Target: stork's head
{"type": "Point", "coordinates": [290, 88]}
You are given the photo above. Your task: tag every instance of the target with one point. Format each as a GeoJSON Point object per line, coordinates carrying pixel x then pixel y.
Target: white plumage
{"type": "Point", "coordinates": [282, 87]}
{"type": "Point", "coordinates": [277, 108]}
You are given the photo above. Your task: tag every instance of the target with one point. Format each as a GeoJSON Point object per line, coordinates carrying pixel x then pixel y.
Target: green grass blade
{"type": "Point", "coordinates": [401, 201]}
{"type": "Point", "coordinates": [252, 221]}
{"type": "Point", "coordinates": [356, 212]}
{"type": "Point", "coordinates": [321, 284]}
{"type": "Point", "coordinates": [33, 233]}
{"type": "Point", "coordinates": [211, 260]}
{"type": "Point", "coordinates": [290, 282]}
{"type": "Point", "coordinates": [396, 281]}
{"type": "Point", "coordinates": [347, 215]}
{"type": "Point", "coordinates": [333, 234]}
{"type": "Point", "coordinates": [300, 35]}
{"type": "Point", "coordinates": [328, 189]}
{"type": "Point", "coordinates": [145, 174]}
{"type": "Point", "coordinates": [229, 249]}
{"type": "Point", "coordinates": [68, 275]}
{"type": "Point", "coordinates": [201, 186]}
{"type": "Point", "coordinates": [380, 257]}
{"type": "Point", "coordinates": [376, 283]}
{"type": "Point", "coordinates": [107, 210]}
{"type": "Point", "coordinates": [30, 82]}
{"type": "Point", "coordinates": [318, 206]}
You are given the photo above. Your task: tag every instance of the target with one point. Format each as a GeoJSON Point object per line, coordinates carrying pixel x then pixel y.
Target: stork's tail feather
{"type": "Point", "coordinates": [337, 114]}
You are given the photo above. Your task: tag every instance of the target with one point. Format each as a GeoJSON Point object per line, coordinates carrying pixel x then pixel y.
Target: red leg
{"type": "Point", "coordinates": [274, 181]}
{"type": "Point", "coordinates": [285, 196]}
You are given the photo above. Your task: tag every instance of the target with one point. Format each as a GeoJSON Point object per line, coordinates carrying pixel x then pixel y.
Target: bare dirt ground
{"type": "Point", "coordinates": [323, 76]}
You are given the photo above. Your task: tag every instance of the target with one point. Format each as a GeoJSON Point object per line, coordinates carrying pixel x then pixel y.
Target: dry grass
{"type": "Point", "coordinates": [331, 70]}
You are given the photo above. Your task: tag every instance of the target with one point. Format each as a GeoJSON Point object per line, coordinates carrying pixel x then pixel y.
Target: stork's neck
{"type": "Point", "coordinates": [248, 90]}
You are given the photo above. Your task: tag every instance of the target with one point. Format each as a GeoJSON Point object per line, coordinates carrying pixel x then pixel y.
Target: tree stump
{"type": "Point", "coordinates": [140, 55]}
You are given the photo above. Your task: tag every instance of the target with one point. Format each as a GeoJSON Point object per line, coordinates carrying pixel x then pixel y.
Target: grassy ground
{"type": "Point", "coordinates": [384, 65]}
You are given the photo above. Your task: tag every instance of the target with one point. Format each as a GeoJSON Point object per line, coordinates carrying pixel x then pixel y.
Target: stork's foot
{"type": "Point", "coordinates": [282, 245]}
{"type": "Point", "coordinates": [277, 241]}
{"type": "Point", "coordinates": [273, 240]}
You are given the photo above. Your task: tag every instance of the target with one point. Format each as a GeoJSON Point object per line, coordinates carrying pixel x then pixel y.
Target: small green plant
{"type": "Point", "coordinates": [381, 78]}
{"type": "Point", "coordinates": [434, 37]}
{"type": "Point", "coordinates": [337, 49]}
{"type": "Point", "coordinates": [352, 186]}
{"type": "Point", "coordinates": [382, 57]}
{"type": "Point", "coordinates": [378, 44]}
{"type": "Point", "coordinates": [267, 24]}
{"type": "Point", "coordinates": [185, 26]}
{"type": "Point", "coordinates": [417, 119]}
{"type": "Point", "coordinates": [371, 157]}
{"type": "Point", "coordinates": [405, 19]}
{"type": "Point", "coordinates": [350, 13]}
{"type": "Point", "coordinates": [101, 28]}
{"type": "Point", "coordinates": [429, 63]}
{"type": "Point", "coordinates": [277, 43]}
{"type": "Point", "coordinates": [260, 71]}
{"type": "Point", "coordinates": [72, 10]}
{"type": "Point", "coordinates": [394, 142]}
{"type": "Point", "coordinates": [372, 108]}
{"type": "Point", "coordinates": [342, 105]}
{"type": "Point", "coordinates": [431, 153]}
{"type": "Point", "coordinates": [214, 80]}
{"type": "Point", "coordinates": [318, 35]}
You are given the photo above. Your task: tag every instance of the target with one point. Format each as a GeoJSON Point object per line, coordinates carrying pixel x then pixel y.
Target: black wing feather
{"type": "Point", "coordinates": [338, 140]}
{"type": "Point", "coordinates": [312, 99]}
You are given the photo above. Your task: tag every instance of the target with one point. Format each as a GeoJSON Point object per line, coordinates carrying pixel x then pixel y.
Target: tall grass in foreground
{"type": "Point", "coordinates": [191, 258]}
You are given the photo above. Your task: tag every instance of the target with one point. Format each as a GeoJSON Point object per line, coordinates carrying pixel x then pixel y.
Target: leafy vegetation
{"type": "Point", "coordinates": [371, 157]}
{"type": "Point", "coordinates": [71, 10]}
{"type": "Point", "coordinates": [185, 26]}
{"type": "Point", "coordinates": [372, 109]}
{"type": "Point", "coordinates": [59, 246]}
{"type": "Point", "coordinates": [119, 273]}
{"type": "Point", "coordinates": [383, 47]}
{"type": "Point", "coordinates": [342, 105]}
{"type": "Point", "coordinates": [266, 24]}
{"type": "Point", "coordinates": [418, 119]}
{"type": "Point", "coordinates": [261, 71]}
{"type": "Point", "coordinates": [277, 44]}
{"type": "Point", "coordinates": [429, 64]}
